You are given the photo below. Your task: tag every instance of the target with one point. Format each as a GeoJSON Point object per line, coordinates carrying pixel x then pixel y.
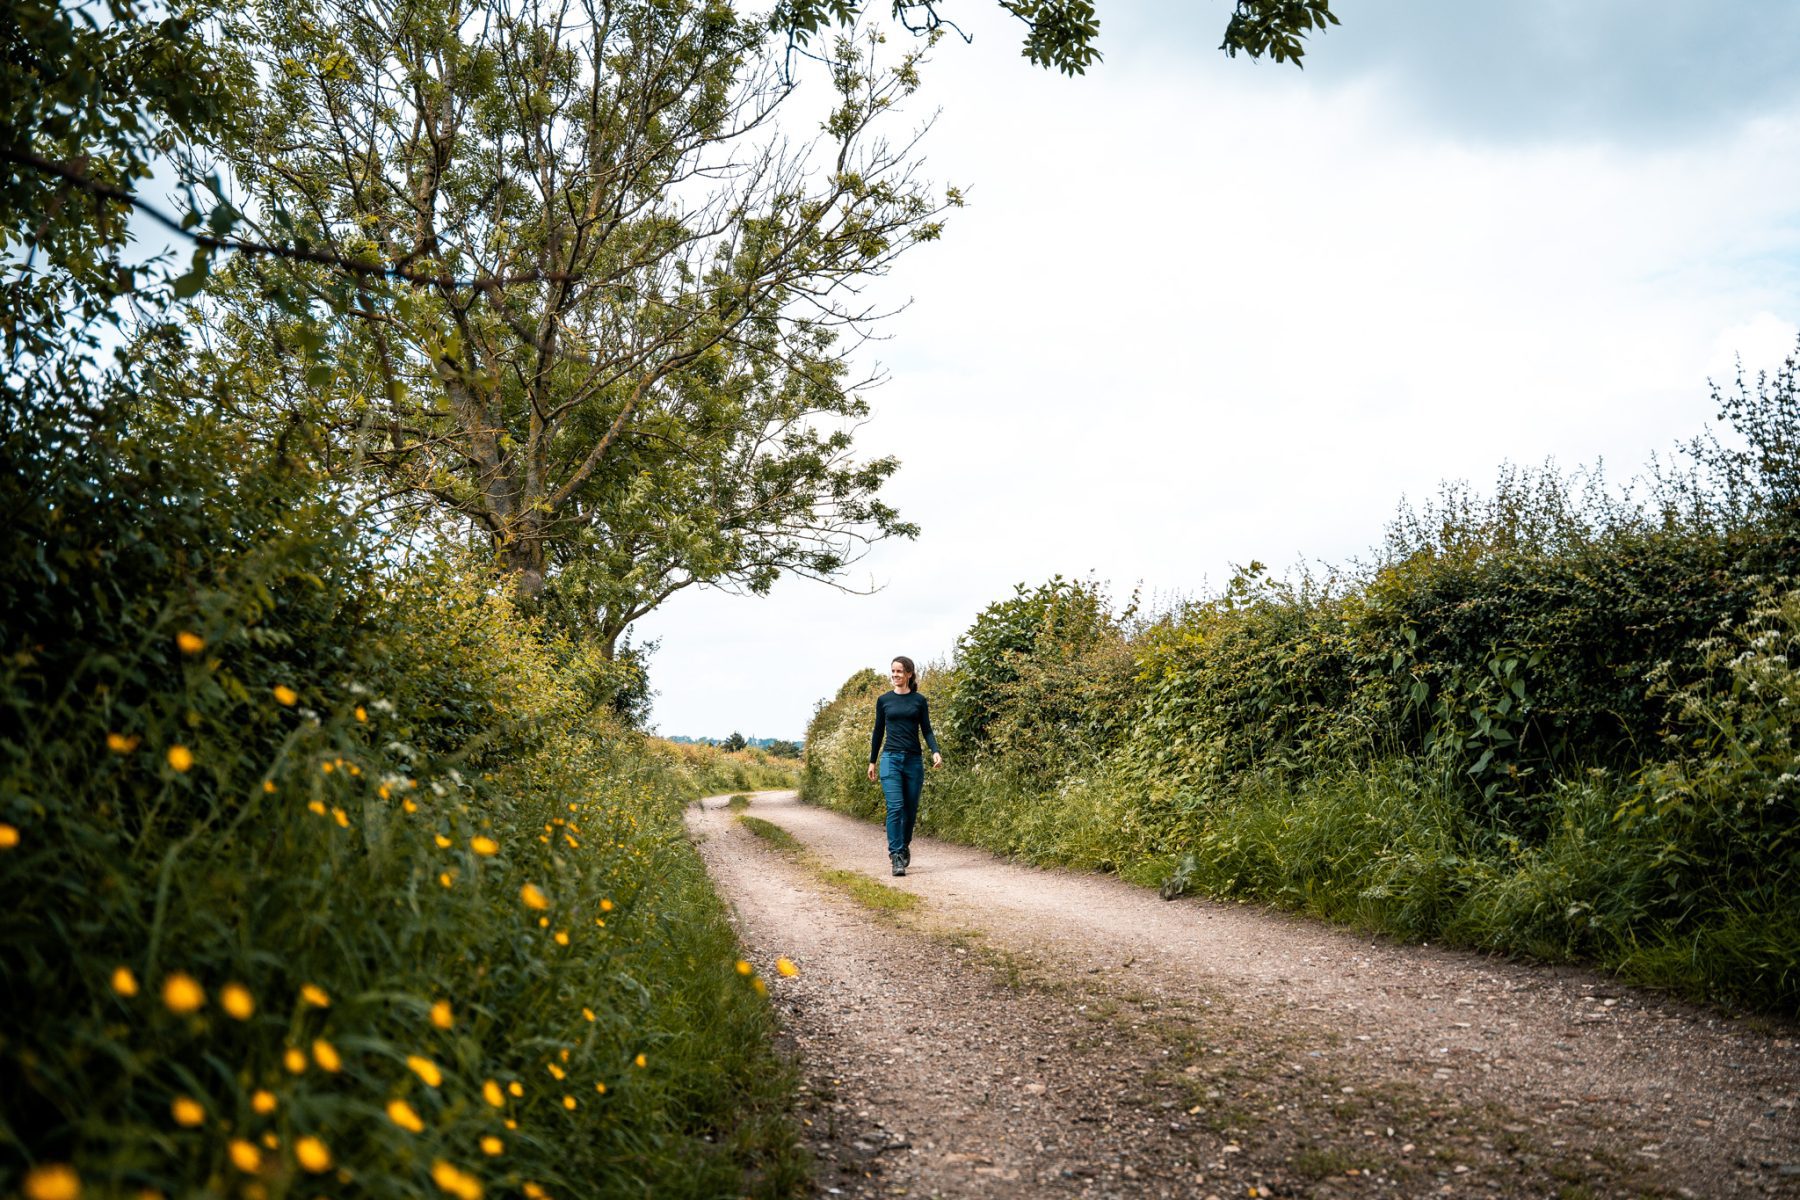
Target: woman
{"type": "Point", "coordinates": [901, 718]}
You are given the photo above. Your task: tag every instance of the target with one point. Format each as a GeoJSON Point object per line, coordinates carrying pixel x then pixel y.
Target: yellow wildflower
{"type": "Point", "coordinates": [445, 878]}
{"type": "Point", "coordinates": [441, 1016]}
{"type": "Point", "coordinates": [326, 1055]}
{"type": "Point", "coordinates": [315, 995]}
{"type": "Point", "coordinates": [555, 1071]}
{"type": "Point", "coordinates": [491, 1145]}
{"type": "Point", "coordinates": [181, 758]}
{"type": "Point", "coordinates": [124, 982]}
{"type": "Point", "coordinates": [316, 806]}
{"type": "Point", "coordinates": [460, 1184]}
{"type": "Point", "coordinates": [484, 845]}
{"type": "Point", "coordinates": [490, 1091]}
{"type": "Point", "coordinates": [443, 842]}
{"type": "Point", "coordinates": [312, 1155]}
{"type": "Point", "coordinates": [743, 967]}
{"type": "Point", "coordinates": [327, 767]}
{"type": "Point", "coordinates": [606, 906]}
{"type": "Point", "coordinates": [293, 1060]}
{"type": "Point", "coordinates": [425, 1069]}
{"type": "Point", "coordinates": [511, 1124]}
{"type": "Point", "coordinates": [562, 937]}
{"type": "Point", "coordinates": [569, 1103]}
{"type": "Point", "coordinates": [641, 1061]}
{"type": "Point", "coordinates": [543, 922]}
{"type": "Point", "coordinates": [601, 1088]}
{"type": "Point", "coordinates": [588, 1013]}
{"type": "Point", "coordinates": [762, 989]}
{"type": "Point", "coordinates": [271, 1141]}
{"type": "Point", "coordinates": [190, 643]}
{"type": "Point", "coordinates": [286, 695]}
{"type": "Point", "coordinates": [361, 713]}
{"type": "Point", "coordinates": [401, 1113]}
{"type": "Point", "coordinates": [532, 897]}
{"type": "Point", "coordinates": [534, 1191]}
{"type": "Point", "coordinates": [383, 792]}
{"type": "Point", "coordinates": [786, 967]}
{"type": "Point", "coordinates": [269, 786]}
{"type": "Point", "coordinates": [52, 1181]}
{"type": "Point", "coordinates": [181, 994]}
{"type": "Point", "coordinates": [187, 1111]}
{"type": "Point", "coordinates": [236, 999]}
{"type": "Point", "coordinates": [408, 805]}
{"type": "Point", "coordinates": [245, 1156]}
{"type": "Point", "coordinates": [341, 817]}
{"type": "Point", "coordinates": [516, 1088]}
{"type": "Point", "coordinates": [263, 1101]}
{"type": "Point", "coordinates": [118, 743]}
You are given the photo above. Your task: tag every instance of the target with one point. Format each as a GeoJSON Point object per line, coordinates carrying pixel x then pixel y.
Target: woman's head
{"type": "Point", "coordinates": [902, 673]}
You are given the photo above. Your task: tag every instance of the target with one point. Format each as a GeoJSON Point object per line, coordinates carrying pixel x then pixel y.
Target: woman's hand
{"type": "Point", "coordinates": [871, 772]}
{"type": "Point", "coordinates": [937, 760]}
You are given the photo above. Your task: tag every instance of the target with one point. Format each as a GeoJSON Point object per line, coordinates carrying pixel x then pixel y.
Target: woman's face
{"type": "Point", "coordinates": [898, 674]}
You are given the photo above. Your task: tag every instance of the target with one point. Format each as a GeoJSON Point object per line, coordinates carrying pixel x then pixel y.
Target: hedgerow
{"type": "Point", "coordinates": [1559, 720]}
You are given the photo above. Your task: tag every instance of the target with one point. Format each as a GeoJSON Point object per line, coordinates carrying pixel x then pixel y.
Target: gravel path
{"type": "Point", "coordinates": [1028, 1032]}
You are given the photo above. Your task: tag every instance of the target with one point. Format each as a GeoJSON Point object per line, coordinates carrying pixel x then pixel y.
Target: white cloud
{"type": "Point", "coordinates": [1760, 345]}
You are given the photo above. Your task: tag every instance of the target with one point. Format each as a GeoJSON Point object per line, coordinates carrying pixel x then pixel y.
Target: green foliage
{"type": "Point", "coordinates": [244, 746]}
{"type": "Point", "coordinates": [1042, 679]}
{"type": "Point", "coordinates": [92, 93]}
{"type": "Point", "coordinates": [1275, 27]}
{"type": "Point", "coordinates": [1548, 721]}
{"type": "Point", "coordinates": [1063, 33]}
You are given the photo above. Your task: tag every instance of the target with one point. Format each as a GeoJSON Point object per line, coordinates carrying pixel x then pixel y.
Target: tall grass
{"type": "Point", "coordinates": [700, 769]}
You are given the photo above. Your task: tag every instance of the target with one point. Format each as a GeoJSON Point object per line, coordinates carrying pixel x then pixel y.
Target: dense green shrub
{"type": "Point", "coordinates": [312, 853]}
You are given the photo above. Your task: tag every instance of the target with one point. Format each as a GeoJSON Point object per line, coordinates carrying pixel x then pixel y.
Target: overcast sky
{"type": "Point", "coordinates": [1203, 310]}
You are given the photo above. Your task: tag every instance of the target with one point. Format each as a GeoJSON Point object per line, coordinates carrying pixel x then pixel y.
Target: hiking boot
{"type": "Point", "coordinates": [906, 857]}
{"type": "Point", "coordinates": [899, 861]}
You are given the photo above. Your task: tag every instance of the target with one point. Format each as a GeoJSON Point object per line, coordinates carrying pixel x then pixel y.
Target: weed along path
{"type": "Point", "coordinates": [980, 1029]}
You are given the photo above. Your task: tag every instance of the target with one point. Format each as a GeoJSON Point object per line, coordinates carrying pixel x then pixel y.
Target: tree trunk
{"type": "Point", "coordinates": [523, 559]}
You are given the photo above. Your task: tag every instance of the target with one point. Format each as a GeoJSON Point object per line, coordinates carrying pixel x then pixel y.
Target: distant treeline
{"type": "Point", "coordinates": [779, 747]}
{"type": "Point", "coordinates": [1558, 720]}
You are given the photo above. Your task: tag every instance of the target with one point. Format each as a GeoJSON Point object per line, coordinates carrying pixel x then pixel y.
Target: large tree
{"type": "Point", "coordinates": [597, 296]}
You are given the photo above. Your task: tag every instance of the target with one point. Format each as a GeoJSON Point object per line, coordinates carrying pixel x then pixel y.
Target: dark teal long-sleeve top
{"type": "Point", "coordinates": [901, 721]}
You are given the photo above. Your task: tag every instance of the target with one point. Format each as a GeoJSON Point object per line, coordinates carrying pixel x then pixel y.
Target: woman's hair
{"type": "Point", "coordinates": [912, 674]}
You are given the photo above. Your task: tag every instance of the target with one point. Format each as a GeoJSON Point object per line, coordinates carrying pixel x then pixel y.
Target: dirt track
{"type": "Point", "coordinates": [1026, 1032]}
